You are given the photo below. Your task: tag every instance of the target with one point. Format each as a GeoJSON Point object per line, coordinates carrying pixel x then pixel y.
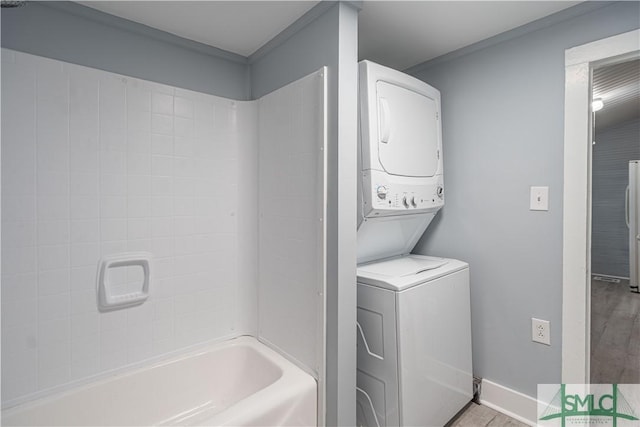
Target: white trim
{"type": "Point", "coordinates": [509, 402]}
{"type": "Point", "coordinates": [576, 275]}
{"type": "Point", "coordinates": [610, 47]}
{"type": "Point", "coordinates": [576, 231]}
{"type": "Point", "coordinates": [322, 326]}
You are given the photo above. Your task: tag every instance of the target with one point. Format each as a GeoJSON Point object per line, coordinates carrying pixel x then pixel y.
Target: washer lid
{"type": "Point", "coordinates": [407, 271]}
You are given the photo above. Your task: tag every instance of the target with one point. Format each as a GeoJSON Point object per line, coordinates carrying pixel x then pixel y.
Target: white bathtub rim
{"type": "Point", "coordinates": [296, 380]}
{"type": "Point", "coordinates": [53, 393]}
{"type": "Point", "coordinates": [292, 384]}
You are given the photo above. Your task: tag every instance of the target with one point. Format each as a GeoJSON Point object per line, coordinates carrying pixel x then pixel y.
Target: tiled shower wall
{"type": "Point", "coordinates": [94, 164]}
{"type": "Point", "coordinates": [292, 207]}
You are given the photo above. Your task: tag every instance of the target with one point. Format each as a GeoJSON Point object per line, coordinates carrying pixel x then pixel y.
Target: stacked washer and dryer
{"type": "Point", "coordinates": [414, 326]}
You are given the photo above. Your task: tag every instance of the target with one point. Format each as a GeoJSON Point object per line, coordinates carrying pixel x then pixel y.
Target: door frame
{"type": "Point", "coordinates": [576, 270]}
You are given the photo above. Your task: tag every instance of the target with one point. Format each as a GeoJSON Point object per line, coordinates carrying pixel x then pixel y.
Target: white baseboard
{"type": "Point", "coordinates": [510, 402]}
{"type": "Point", "coordinates": [609, 275]}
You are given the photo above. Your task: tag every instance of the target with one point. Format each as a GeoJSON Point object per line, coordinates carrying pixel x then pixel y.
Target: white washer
{"type": "Point", "coordinates": [414, 341]}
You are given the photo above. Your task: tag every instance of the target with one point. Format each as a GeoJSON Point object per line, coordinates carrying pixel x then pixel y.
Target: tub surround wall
{"type": "Point", "coordinates": [292, 203]}
{"type": "Point", "coordinates": [94, 163]}
{"type": "Point", "coordinates": [97, 164]}
{"type": "Point", "coordinates": [247, 222]}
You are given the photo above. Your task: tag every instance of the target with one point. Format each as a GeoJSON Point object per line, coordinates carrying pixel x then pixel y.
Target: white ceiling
{"type": "Point", "coordinates": [395, 33]}
{"type": "Point", "coordinates": [401, 34]}
{"type": "Point", "coordinates": [236, 26]}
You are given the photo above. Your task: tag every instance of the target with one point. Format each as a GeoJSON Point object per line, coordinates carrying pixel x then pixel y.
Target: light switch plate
{"type": "Point", "coordinates": [539, 199]}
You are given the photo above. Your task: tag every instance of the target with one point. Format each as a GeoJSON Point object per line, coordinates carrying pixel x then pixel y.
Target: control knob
{"type": "Point", "coordinates": [405, 201]}
{"type": "Point", "coordinates": [440, 191]}
{"type": "Point", "coordinates": [414, 202]}
{"type": "Point", "coordinates": [382, 192]}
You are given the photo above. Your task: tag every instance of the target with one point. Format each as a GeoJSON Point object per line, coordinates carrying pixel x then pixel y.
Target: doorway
{"type": "Point", "coordinates": [576, 276]}
{"type": "Point", "coordinates": [615, 307]}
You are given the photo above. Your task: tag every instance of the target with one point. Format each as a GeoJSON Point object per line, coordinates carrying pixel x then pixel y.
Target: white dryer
{"type": "Point", "coordinates": [400, 188]}
{"type": "Point", "coordinates": [414, 341]}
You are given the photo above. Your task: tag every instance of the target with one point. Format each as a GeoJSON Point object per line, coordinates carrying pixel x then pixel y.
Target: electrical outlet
{"type": "Point", "coordinates": [540, 331]}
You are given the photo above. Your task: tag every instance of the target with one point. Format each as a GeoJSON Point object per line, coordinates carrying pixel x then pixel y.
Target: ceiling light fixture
{"type": "Point", "coordinates": [597, 105]}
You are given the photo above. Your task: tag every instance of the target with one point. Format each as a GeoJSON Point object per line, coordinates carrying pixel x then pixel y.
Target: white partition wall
{"type": "Point", "coordinates": [292, 193]}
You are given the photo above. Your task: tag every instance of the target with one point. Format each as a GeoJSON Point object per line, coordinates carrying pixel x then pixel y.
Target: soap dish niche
{"type": "Point", "coordinates": [123, 280]}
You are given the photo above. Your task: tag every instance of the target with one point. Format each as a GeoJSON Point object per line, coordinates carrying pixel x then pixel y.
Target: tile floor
{"type": "Point", "coordinates": [482, 416]}
{"type": "Point", "coordinates": [615, 333]}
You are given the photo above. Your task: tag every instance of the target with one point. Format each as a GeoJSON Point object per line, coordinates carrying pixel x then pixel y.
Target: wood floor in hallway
{"type": "Point", "coordinates": [615, 333]}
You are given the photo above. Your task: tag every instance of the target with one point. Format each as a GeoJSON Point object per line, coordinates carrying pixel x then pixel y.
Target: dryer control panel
{"type": "Point", "coordinates": [385, 195]}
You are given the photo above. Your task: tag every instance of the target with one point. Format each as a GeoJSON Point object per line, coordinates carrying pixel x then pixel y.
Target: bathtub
{"type": "Point", "coordinates": [240, 382]}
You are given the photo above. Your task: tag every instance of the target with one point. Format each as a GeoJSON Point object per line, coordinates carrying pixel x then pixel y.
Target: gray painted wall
{"type": "Point", "coordinates": [614, 147]}
{"type": "Point", "coordinates": [503, 109]}
{"type": "Point", "coordinates": [73, 33]}
{"type": "Point", "coordinates": [329, 40]}
{"type": "Point", "coordinates": [296, 52]}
